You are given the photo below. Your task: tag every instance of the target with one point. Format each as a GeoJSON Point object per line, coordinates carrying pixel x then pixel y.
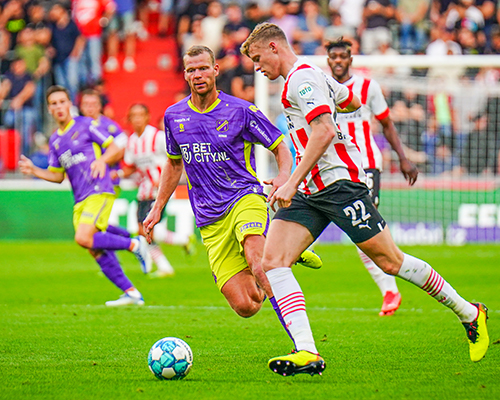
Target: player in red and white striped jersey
{"type": "Point", "coordinates": [358, 126]}
{"type": "Point", "coordinates": [145, 155]}
{"type": "Point", "coordinates": [330, 175]}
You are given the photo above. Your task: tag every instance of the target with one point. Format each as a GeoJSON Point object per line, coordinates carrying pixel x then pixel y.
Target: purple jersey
{"type": "Point", "coordinates": [110, 126]}
{"type": "Point", "coordinates": [73, 151]}
{"type": "Point", "coordinates": [217, 147]}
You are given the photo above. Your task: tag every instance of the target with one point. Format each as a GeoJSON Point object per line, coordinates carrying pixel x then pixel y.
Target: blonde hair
{"type": "Point", "coordinates": [263, 31]}
{"type": "Point", "coordinates": [194, 51]}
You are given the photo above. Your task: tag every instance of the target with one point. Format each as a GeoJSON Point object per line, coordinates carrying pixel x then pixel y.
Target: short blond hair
{"type": "Point", "coordinates": [263, 31]}
{"type": "Point", "coordinates": [196, 50]}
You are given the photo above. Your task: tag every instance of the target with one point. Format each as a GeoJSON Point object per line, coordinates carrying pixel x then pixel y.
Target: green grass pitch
{"type": "Point", "coordinates": [59, 341]}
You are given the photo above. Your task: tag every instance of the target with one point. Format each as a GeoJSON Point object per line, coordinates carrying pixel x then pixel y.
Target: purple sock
{"type": "Point", "coordinates": [110, 241]}
{"type": "Point", "coordinates": [110, 266]}
{"type": "Point", "coordinates": [117, 230]}
{"type": "Point", "coordinates": [280, 317]}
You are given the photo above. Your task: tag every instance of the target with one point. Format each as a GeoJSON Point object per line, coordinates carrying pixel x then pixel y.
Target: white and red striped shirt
{"type": "Point", "coordinates": [148, 155]}
{"type": "Point", "coordinates": [308, 93]}
{"type": "Point", "coordinates": [357, 124]}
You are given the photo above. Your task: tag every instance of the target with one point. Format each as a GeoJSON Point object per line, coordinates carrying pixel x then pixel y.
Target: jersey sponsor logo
{"type": "Point", "coordinates": [222, 125]}
{"type": "Point", "coordinates": [181, 120]}
{"type": "Point", "coordinates": [250, 225]}
{"type": "Point", "coordinates": [253, 108]}
{"type": "Point", "coordinates": [305, 91]}
{"type": "Point", "coordinates": [256, 126]}
{"type": "Point", "coordinates": [68, 160]}
{"type": "Point", "coordinates": [202, 153]}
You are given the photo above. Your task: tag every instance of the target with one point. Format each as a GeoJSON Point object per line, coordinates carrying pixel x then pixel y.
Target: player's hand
{"type": "Point", "coordinates": [26, 165]}
{"type": "Point", "coordinates": [283, 196]}
{"type": "Point", "coordinates": [409, 170]}
{"type": "Point", "coordinates": [276, 183]}
{"type": "Point", "coordinates": [149, 223]}
{"type": "Point", "coordinates": [98, 168]}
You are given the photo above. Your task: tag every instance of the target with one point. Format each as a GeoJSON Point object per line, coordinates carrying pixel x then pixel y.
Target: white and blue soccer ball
{"type": "Point", "coordinates": [170, 358]}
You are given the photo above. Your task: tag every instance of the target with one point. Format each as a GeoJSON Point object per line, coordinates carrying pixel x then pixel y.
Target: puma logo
{"type": "Point", "coordinates": [360, 226]}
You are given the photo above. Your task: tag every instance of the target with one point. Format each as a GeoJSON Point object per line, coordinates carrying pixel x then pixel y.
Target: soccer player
{"type": "Point", "coordinates": [332, 189]}
{"type": "Point", "coordinates": [73, 150]}
{"type": "Point", "coordinates": [357, 125]}
{"type": "Point", "coordinates": [214, 135]}
{"type": "Point", "coordinates": [145, 154]}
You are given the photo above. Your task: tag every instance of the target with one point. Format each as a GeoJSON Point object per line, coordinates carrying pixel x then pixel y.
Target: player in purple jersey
{"type": "Point", "coordinates": [74, 151]}
{"type": "Point", "coordinates": [310, 101]}
{"type": "Point", "coordinates": [91, 106]}
{"type": "Point", "coordinates": [214, 135]}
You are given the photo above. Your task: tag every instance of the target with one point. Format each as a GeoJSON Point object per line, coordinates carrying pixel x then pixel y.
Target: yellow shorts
{"type": "Point", "coordinates": [224, 238]}
{"type": "Point", "coordinates": [94, 210]}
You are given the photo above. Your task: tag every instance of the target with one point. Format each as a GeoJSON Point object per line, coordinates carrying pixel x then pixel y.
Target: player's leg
{"type": "Point", "coordinates": [292, 230]}
{"type": "Point", "coordinates": [92, 213]}
{"type": "Point", "coordinates": [384, 252]}
{"type": "Point", "coordinates": [159, 258]}
{"type": "Point", "coordinates": [385, 282]}
{"type": "Point", "coordinates": [285, 242]}
{"type": "Point", "coordinates": [118, 230]}
{"type": "Point", "coordinates": [227, 241]}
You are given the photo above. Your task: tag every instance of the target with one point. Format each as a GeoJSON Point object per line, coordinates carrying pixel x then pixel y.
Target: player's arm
{"type": "Point", "coordinates": [112, 155]}
{"type": "Point", "coordinates": [284, 160]}
{"type": "Point", "coordinates": [28, 168]}
{"type": "Point", "coordinates": [169, 179]}
{"type": "Point", "coordinates": [322, 134]}
{"type": "Point", "coordinates": [409, 170]}
{"type": "Point", "coordinates": [353, 104]}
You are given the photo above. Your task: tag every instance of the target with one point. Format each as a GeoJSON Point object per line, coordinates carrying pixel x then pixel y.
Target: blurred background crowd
{"type": "Point", "coordinates": [80, 43]}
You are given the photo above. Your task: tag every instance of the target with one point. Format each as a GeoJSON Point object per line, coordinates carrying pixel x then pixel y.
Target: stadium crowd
{"type": "Point", "coordinates": [72, 42]}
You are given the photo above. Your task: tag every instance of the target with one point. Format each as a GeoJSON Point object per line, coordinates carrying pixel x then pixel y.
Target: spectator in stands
{"type": "Point", "coordinates": [212, 26]}
{"type": "Point", "coordinates": [194, 8]}
{"type": "Point", "coordinates": [351, 12]}
{"type": "Point", "coordinates": [37, 21]}
{"type": "Point", "coordinates": [376, 17]}
{"type": "Point", "coordinates": [235, 25]}
{"type": "Point", "coordinates": [442, 43]}
{"type": "Point", "coordinates": [12, 21]}
{"type": "Point", "coordinates": [37, 65]}
{"type": "Point", "coordinates": [254, 15]}
{"type": "Point", "coordinates": [195, 36]}
{"type": "Point", "coordinates": [310, 28]}
{"type": "Point", "coordinates": [489, 9]}
{"type": "Point", "coordinates": [412, 17]}
{"type": "Point", "coordinates": [440, 158]}
{"type": "Point", "coordinates": [495, 41]}
{"type": "Point", "coordinates": [465, 14]}
{"type": "Point", "coordinates": [66, 49]}
{"type": "Point", "coordinates": [337, 28]}
{"type": "Point", "coordinates": [243, 81]}
{"type": "Point", "coordinates": [91, 17]}
{"type": "Point", "coordinates": [279, 16]}
{"type": "Point", "coordinates": [121, 26]}
{"type": "Point", "coordinates": [166, 14]}
{"type": "Point", "coordinates": [17, 88]}
{"type": "Point", "coordinates": [228, 59]}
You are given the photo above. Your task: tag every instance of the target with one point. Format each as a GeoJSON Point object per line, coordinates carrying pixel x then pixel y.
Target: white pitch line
{"type": "Point", "coordinates": [221, 308]}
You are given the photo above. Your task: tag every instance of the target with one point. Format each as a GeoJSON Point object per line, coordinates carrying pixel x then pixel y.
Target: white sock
{"type": "Point", "coordinates": [135, 245]}
{"type": "Point", "coordinates": [385, 282]}
{"type": "Point", "coordinates": [159, 259]}
{"type": "Point", "coordinates": [133, 292]}
{"type": "Point", "coordinates": [176, 239]}
{"type": "Point", "coordinates": [292, 305]}
{"type": "Point", "coordinates": [425, 277]}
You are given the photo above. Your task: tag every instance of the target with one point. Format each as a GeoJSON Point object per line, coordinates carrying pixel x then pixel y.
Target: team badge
{"type": "Point", "coordinates": [75, 135]}
{"type": "Point", "coordinates": [186, 154]}
{"type": "Point", "coordinates": [222, 125]}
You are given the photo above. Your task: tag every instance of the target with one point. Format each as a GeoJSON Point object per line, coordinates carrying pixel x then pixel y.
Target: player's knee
{"type": "Point", "coordinates": [247, 309]}
{"type": "Point", "coordinates": [83, 240]}
{"type": "Point", "coordinates": [270, 261]}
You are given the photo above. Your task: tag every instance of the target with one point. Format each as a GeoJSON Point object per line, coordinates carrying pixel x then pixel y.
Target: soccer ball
{"type": "Point", "coordinates": [170, 359]}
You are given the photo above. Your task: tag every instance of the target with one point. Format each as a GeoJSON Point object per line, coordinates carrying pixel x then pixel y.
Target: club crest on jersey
{"type": "Point", "coordinates": [222, 125]}
{"type": "Point", "coordinates": [75, 135]}
{"type": "Point", "coordinates": [186, 154]}
{"type": "Point", "coordinates": [305, 91]}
